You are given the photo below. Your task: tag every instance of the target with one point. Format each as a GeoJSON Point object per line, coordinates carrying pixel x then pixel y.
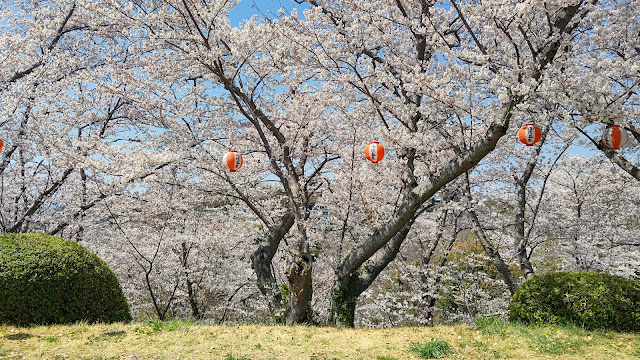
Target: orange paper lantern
{"type": "Point", "coordinates": [232, 160]}
{"type": "Point", "coordinates": [614, 137]}
{"type": "Point", "coordinates": [374, 152]}
{"type": "Point", "coordinates": [529, 134]}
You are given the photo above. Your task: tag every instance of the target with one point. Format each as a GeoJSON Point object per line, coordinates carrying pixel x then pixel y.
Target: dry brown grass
{"type": "Point", "coordinates": [185, 341]}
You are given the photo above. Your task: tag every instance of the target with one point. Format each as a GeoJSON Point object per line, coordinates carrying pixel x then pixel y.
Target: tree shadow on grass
{"type": "Point", "coordinates": [18, 336]}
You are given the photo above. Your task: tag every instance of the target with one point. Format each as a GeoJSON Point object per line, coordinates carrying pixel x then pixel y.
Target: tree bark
{"type": "Point", "coordinates": [191, 293]}
{"type": "Point", "coordinates": [494, 254]}
{"type": "Point", "coordinates": [347, 289]}
{"type": "Point", "coordinates": [521, 239]}
{"type": "Point", "coordinates": [489, 249]}
{"type": "Point", "coordinates": [343, 301]}
{"type": "Point", "coordinates": [300, 291]}
{"type": "Point", "coordinates": [261, 262]}
{"type": "Point", "coordinates": [193, 303]}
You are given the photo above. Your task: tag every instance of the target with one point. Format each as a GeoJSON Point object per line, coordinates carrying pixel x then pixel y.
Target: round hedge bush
{"type": "Point", "coordinates": [591, 300]}
{"type": "Point", "coordinates": [48, 280]}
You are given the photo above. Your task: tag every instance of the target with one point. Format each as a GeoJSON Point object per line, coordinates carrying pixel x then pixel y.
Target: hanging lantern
{"type": "Point", "coordinates": [232, 160]}
{"type": "Point", "coordinates": [1, 145]}
{"type": "Point", "coordinates": [614, 137]}
{"type": "Point", "coordinates": [529, 134]}
{"type": "Point", "coordinates": [374, 152]}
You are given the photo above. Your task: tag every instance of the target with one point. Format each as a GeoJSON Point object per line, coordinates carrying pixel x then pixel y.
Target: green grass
{"type": "Point", "coordinates": [553, 340]}
{"type": "Point", "coordinates": [152, 325]}
{"type": "Point", "coordinates": [486, 338]}
{"type": "Point", "coordinates": [434, 349]}
{"type": "Point", "coordinates": [491, 325]}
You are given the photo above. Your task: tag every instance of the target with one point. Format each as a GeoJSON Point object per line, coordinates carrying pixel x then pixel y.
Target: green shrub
{"type": "Point", "coordinates": [47, 280]}
{"type": "Point", "coordinates": [434, 349]}
{"type": "Point", "coordinates": [590, 300]}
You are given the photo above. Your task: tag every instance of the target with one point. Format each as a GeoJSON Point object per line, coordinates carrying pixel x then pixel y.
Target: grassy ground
{"type": "Point", "coordinates": [486, 339]}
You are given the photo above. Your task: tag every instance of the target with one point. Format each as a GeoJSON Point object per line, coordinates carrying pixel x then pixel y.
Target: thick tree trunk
{"type": "Point", "coordinates": [261, 261]}
{"type": "Point", "coordinates": [300, 291]}
{"type": "Point", "coordinates": [343, 302]}
{"type": "Point", "coordinates": [346, 290]}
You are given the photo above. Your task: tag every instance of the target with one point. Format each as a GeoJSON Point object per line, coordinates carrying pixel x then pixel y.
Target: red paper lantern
{"type": "Point", "coordinates": [614, 137]}
{"type": "Point", "coordinates": [1, 145]}
{"type": "Point", "coordinates": [232, 160]}
{"type": "Point", "coordinates": [374, 152]}
{"type": "Point", "coordinates": [529, 134]}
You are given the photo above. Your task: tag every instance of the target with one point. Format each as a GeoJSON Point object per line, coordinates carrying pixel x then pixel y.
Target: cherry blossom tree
{"type": "Point", "coordinates": [70, 118]}
{"type": "Point", "coordinates": [176, 250]}
{"type": "Point", "coordinates": [419, 65]}
{"type": "Point", "coordinates": [126, 108]}
{"type": "Point", "coordinates": [50, 137]}
{"type": "Point", "coordinates": [589, 217]}
{"type": "Point", "coordinates": [608, 92]}
{"type": "Point", "coordinates": [505, 204]}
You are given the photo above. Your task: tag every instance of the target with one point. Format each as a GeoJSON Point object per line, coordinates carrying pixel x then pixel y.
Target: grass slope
{"type": "Point", "coordinates": [487, 339]}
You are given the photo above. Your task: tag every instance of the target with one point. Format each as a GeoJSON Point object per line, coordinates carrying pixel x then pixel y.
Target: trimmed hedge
{"type": "Point", "coordinates": [591, 300]}
{"type": "Point", "coordinates": [48, 280]}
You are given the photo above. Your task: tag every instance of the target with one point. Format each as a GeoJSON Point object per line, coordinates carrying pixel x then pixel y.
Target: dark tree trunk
{"type": "Point", "coordinates": [261, 261]}
{"type": "Point", "coordinates": [347, 288]}
{"type": "Point", "coordinates": [494, 255]}
{"type": "Point", "coordinates": [490, 250]}
{"type": "Point", "coordinates": [191, 293]}
{"type": "Point", "coordinates": [195, 312]}
{"type": "Point", "coordinates": [300, 291]}
{"type": "Point", "coordinates": [343, 302]}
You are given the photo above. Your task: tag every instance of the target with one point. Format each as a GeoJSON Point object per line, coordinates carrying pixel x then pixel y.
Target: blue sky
{"type": "Point", "coordinates": [262, 8]}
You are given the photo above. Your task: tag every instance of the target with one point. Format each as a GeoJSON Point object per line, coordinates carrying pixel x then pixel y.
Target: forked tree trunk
{"type": "Point", "coordinates": [347, 289]}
